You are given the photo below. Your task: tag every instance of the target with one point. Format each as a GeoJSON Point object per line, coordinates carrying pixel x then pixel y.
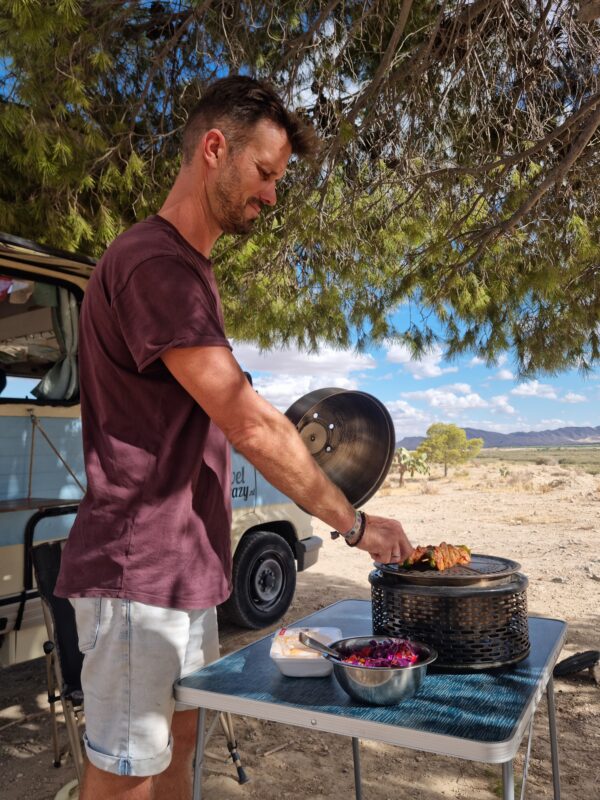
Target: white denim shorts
{"type": "Point", "coordinates": [133, 655]}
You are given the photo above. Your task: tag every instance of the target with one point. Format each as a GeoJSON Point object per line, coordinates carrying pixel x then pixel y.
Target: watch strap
{"type": "Point", "coordinates": [356, 532]}
{"type": "Point", "coordinates": [353, 530]}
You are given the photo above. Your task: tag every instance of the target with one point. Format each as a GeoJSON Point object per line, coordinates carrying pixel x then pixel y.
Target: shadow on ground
{"type": "Point", "coordinates": [310, 765]}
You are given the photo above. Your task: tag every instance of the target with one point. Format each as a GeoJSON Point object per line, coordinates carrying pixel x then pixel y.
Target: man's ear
{"type": "Point", "coordinates": [213, 148]}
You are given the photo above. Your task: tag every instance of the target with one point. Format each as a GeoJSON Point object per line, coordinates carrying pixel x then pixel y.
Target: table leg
{"type": "Point", "coordinates": [527, 757]}
{"type": "Point", "coordinates": [553, 739]}
{"type": "Point", "coordinates": [199, 758]}
{"type": "Point", "coordinates": [356, 760]}
{"type": "Point", "coordinates": [508, 781]}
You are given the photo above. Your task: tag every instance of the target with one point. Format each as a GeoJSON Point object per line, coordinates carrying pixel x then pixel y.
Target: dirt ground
{"type": "Point", "coordinates": [545, 517]}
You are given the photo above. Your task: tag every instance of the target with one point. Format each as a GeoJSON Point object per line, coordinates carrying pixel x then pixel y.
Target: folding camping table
{"type": "Point", "coordinates": [477, 715]}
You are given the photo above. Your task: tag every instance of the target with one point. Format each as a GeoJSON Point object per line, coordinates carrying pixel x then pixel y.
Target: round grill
{"type": "Point", "coordinates": [478, 626]}
{"type": "Point", "coordinates": [480, 571]}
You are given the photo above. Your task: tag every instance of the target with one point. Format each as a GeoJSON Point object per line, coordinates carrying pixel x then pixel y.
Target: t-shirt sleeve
{"type": "Point", "coordinates": [166, 303]}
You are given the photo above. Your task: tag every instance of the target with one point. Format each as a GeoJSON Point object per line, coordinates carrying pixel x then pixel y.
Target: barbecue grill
{"type": "Point", "coordinates": [474, 615]}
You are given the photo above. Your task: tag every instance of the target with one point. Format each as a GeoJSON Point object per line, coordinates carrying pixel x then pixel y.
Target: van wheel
{"type": "Point", "coordinates": [264, 580]}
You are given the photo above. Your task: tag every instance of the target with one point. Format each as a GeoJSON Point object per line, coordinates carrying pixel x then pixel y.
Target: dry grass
{"type": "Point", "coordinates": [545, 488]}
{"type": "Point", "coordinates": [584, 457]}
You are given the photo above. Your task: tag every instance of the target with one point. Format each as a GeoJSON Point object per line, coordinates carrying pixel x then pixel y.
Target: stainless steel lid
{"type": "Point", "coordinates": [350, 435]}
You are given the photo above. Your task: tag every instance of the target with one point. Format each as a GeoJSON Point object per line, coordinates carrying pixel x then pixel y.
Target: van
{"type": "Point", "coordinates": [42, 476]}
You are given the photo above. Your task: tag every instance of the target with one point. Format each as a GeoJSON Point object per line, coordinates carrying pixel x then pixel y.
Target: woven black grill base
{"type": "Point", "coordinates": [478, 627]}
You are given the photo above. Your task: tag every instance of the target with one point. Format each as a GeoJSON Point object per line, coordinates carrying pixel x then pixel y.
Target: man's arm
{"type": "Point", "coordinates": [271, 442]}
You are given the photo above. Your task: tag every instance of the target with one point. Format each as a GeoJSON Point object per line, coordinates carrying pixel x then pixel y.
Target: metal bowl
{"type": "Point", "coordinates": [351, 437]}
{"type": "Point", "coordinates": [380, 686]}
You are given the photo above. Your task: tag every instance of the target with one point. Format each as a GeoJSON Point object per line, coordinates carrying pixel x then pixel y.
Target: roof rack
{"type": "Point", "coordinates": [17, 241]}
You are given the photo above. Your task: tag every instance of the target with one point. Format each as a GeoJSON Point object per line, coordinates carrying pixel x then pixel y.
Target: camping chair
{"type": "Point", "coordinates": [63, 659]}
{"type": "Point", "coordinates": [63, 662]}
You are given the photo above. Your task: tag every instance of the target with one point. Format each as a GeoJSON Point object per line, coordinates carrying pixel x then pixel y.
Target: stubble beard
{"type": "Point", "coordinates": [231, 207]}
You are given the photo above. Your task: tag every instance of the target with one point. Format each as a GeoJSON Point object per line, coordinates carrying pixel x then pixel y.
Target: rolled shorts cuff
{"type": "Point", "coordinates": [133, 767]}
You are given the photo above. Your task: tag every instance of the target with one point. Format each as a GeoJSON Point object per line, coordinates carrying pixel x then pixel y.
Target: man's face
{"type": "Point", "coordinates": [248, 178]}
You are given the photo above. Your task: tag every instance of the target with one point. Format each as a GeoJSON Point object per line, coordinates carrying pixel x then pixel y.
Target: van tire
{"type": "Point", "coordinates": [263, 580]}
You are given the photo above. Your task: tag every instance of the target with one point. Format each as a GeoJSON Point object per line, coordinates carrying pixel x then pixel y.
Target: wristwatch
{"type": "Point", "coordinates": [355, 534]}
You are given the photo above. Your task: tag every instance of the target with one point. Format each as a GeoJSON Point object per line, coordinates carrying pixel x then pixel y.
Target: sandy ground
{"type": "Point", "coordinates": [545, 517]}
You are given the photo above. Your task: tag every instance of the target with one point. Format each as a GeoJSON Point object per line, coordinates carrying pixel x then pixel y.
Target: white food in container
{"type": "Point", "coordinates": [298, 661]}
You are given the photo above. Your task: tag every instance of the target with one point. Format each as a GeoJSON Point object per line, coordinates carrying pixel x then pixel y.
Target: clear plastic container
{"type": "Point", "coordinates": [298, 661]}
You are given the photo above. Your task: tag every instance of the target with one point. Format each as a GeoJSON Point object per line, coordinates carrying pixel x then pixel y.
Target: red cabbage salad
{"type": "Point", "coordinates": [389, 653]}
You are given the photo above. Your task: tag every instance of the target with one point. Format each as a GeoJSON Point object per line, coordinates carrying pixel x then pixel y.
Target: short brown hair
{"type": "Point", "coordinates": [235, 105]}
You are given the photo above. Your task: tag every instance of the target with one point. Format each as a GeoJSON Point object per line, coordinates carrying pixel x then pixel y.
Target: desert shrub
{"type": "Point", "coordinates": [544, 488]}
{"type": "Point", "coordinates": [523, 481]}
{"type": "Point", "coordinates": [520, 477]}
{"type": "Point", "coordinates": [429, 488]}
{"type": "Point", "coordinates": [556, 484]}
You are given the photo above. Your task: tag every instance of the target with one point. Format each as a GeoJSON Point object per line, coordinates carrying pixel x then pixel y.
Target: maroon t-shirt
{"type": "Point", "coordinates": [154, 524]}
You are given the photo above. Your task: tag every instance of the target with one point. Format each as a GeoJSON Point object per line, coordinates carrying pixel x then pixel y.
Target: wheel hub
{"type": "Point", "coordinates": [268, 580]}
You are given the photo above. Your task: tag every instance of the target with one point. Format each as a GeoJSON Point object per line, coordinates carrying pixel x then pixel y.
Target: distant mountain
{"type": "Point", "coordinates": [555, 438]}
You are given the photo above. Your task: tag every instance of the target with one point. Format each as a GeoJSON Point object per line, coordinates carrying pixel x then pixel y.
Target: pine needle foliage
{"type": "Point", "coordinates": [459, 173]}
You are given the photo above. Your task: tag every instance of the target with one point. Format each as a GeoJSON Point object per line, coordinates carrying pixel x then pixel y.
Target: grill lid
{"type": "Point", "coordinates": [351, 437]}
{"type": "Point", "coordinates": [482, 569]}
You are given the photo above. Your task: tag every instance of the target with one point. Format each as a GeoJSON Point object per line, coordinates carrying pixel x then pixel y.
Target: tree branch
{"type": "Point", "coordinates": [508, 161]}
{"type": "Point", "coordinates": [364, 97]}
{"type": "Point", "coordinates": [165, 50]}
{"type": "Point", "coordinates": [554, 176]}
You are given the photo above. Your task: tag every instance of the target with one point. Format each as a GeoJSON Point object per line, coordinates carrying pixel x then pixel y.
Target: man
{"type": "Point", "coordinates": [149, 558]}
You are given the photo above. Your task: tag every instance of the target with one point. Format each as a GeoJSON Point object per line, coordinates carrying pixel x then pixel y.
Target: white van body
{"type": "Point", "coordinates": [42, 476]}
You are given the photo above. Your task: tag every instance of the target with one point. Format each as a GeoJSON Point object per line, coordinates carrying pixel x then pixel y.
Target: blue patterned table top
{"type": "Point", "coordinates": [477, 715]}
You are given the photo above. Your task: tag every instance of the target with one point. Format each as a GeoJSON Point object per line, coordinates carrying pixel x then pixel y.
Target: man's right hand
{"type": "Point", "coordinates": [385, 541]}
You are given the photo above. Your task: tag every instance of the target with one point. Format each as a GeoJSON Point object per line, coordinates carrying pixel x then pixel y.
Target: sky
{"type": "Point", "coordinates": [418, 393]}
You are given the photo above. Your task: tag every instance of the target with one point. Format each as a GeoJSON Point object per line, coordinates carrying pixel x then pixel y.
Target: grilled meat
{"type": "Point", "coordinates": [440, 557]}
{"type": "Point", "coordinates": [418, 554]}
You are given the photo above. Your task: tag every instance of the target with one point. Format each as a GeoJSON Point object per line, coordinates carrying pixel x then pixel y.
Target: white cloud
{"type": "Point", "coordinates": [498, 427]}
{"type": "Point", "coordinates": [535, 389]}
{"type": "Point", "coordinates": [525, 426]}
{"type": "Point", "coordinates": [504, 375]}
{"type": "Point", "coordinates": [572, 397]}
{"type": "Point", "coordinates": [408, 420]}
{"type": "Point", "coordinates": [551, 424]}
{"type": "Point", "coordinates": [500, 405]}
{"type": "Point", "coordinates": [477, 361]}
{"type": "Point", "coordinates": [328, 360]}
{"type": "Point", "coordinates": [427, 367]}
{"type": "Point", "coordinates": [290, 374]}
{"type": "Point", "coordinates": [461, 388]}
{"type": "Point", "coordinates": [449, 401]}
{"type": "Point", "coordinates": [283, 390]}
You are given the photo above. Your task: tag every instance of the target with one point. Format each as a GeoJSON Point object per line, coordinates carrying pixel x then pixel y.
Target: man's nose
{"type": "Point", "coordinates": [268, 196]}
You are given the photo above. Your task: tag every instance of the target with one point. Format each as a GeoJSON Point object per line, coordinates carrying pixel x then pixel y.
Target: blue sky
{"type": "Point", "coordinates": [418, 393]}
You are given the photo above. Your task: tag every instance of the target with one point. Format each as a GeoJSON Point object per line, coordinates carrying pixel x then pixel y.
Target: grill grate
{"type": "Point", "coordinates": [481, 570]}
{"type": "Point", "coordinates": [475, 627]}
